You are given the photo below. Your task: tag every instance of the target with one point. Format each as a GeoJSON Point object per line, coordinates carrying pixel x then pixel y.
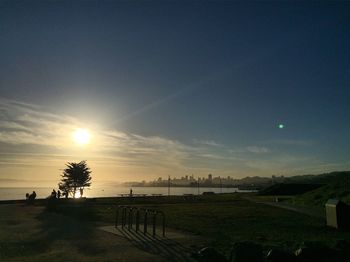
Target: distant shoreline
{"type": "Point", "coordinates": [239, 187]}
{"type": "Point", "coordinates": [92, 199]}
{"type": "Point", "coordinates": [115, 191]}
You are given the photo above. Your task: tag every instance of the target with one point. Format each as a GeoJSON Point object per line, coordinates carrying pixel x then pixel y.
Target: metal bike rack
{"type": "Point", "coordinates": [125, 217]}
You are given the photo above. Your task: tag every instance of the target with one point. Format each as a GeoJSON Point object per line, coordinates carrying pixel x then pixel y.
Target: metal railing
{"type": "Point", "coordinates": [126, 215]}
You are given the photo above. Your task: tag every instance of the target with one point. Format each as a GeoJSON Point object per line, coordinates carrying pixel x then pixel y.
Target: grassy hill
{"type": "Point", "coordinates": [288, 189]}
{"type": "Point", "coordinates": [313, 190]}
{"type": "Point", "coordinates": [318, 179]}
{"type": "Point", "coordinates": [336, 185]}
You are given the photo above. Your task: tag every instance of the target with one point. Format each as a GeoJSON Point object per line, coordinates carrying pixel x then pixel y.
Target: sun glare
{"type": "Point", "coordinates": [77, 194]}
{"type": "Point", "coordinates": [81, 136]}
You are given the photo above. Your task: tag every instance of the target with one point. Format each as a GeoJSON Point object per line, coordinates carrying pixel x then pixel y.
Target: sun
{"type": "Point", "coordinates": [81, 136]}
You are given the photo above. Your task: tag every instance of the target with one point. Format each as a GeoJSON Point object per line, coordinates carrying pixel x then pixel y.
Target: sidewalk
{"type": "Point", "coordinates": [287, 206]}
{"type": "Point", "coordinates": [175, 246]}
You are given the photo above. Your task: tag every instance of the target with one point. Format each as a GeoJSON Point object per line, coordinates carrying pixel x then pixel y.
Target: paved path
{"type": "Point", "coordinates": [175, 246]}
{"type": "Point", "coordinates": [284, 205]}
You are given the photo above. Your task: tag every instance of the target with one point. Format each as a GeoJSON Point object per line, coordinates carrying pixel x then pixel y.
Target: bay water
{"type": "Point", "coordinates": [17, 193]}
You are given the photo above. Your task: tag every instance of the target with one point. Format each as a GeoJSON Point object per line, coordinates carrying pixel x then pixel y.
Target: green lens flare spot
{"type": "Point", "coordinates": [280, 126]}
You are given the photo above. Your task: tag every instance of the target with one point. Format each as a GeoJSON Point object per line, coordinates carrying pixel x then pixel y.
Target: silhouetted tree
{"type": "Point", "coordinates": [75, 176]}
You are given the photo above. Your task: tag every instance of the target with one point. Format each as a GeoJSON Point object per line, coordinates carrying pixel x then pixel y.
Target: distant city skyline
{"type": "Point", "coordinates": [151, 89]}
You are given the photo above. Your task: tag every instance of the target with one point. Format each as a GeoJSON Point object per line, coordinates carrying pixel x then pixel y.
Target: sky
{"type": "Point", "coordinates": [173, 88]}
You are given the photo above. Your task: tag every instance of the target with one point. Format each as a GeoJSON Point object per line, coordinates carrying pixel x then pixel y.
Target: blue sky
{"type": "Point", "coordinates": [189, 87]}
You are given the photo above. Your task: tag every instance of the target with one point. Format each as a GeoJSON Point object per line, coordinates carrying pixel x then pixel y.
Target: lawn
{"type": "Point", "coordinates": [29, 233]}
{"type": "Point", "coordinates": [223, 220]}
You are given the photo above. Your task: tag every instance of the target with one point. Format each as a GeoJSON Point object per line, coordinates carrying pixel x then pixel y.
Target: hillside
{"type": "Point", "coordinates": [319, 179]}
{"type": "Point", "coordinates": [288, 189]}
{"type": "Point", "coordinates": [337, 185]}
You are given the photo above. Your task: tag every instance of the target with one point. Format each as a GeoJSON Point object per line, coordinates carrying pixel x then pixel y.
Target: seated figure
{"type": "Point", "coordinates": [31, 198]}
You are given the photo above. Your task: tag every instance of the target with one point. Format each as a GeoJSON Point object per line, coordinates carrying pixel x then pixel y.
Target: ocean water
{"type": "Point", "coordinates": [17, 193]}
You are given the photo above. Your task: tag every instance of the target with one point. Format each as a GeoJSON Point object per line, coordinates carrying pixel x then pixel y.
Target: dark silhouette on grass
{"type": "Point", "coordinates": [52, 201]}
{"type": "Point", "coordinates": [30, 198]}
{"type": "Point", "coordinates": [66, 189]}
{"type": "Point", "coordinates": [75, 176]}
{"type": "Point", "coordinates": [53, 193]}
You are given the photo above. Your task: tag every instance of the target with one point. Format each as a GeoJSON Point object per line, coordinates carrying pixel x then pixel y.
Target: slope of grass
{"type": "Point", "coordinates": [288, 189]}
{"type": "Point", "coordinates": [338, 187]}
{"type": "Point", "coordinates": [325, 178]}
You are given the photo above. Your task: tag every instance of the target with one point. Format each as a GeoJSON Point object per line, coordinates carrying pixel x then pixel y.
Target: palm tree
{"type": "Point", "coordinates": [75, 176]}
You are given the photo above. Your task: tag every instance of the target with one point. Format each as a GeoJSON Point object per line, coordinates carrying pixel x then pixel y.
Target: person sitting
{"type": "Point", "coordinates": [31, 198]}
{"type": "Point", "coordinates": [52, 201]}
{"type": "Point", "coordinates": [27, 197]}
{"type": "Point", "coordinates": [53, 193]}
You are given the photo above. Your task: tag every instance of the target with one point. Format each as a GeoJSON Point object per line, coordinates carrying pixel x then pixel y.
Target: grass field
{"type": "Point", "coordinates": [30, 233]}
{"type": "Point", "coordinates": [223, 220]}
{"type": "Point", "coordinates": [331, 185]}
